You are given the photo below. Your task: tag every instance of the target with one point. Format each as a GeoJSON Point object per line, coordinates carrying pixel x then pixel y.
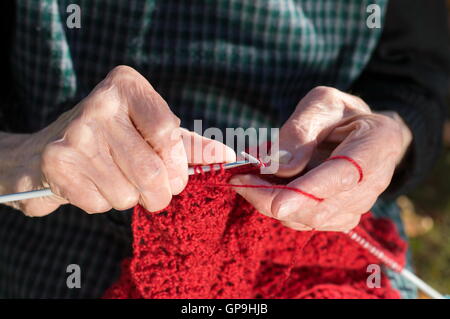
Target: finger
{"type": "Point", "coordinates": [314, 118]}
{"type": "Point", "coordinates": [89, 199]}
{"type": "Point", "coordinates": [61, 168]}
{"type": "Point", "coordinates": [304, 212]}
{"type": "Point", "coordinates": [111, 182]}
{"type": "Point", "coordinates": [203, 151]}
{"type": "Point", "coordinates": [324, 181]}
{"type": "Point", "coordinates": [340, 223]}
{"type": "Point", "coordinates": [41, 206]}
{"type": "Point", "coordinates": [176, 163]}
{"type": "Point", "coordinates": [296, 226]}
{"type": "Point", "coordinates": [371, 145]}
{"type": "Point", "coordinates": [141, 166]}
{"type": "Point", "coordinates": [262, 196]}
{"type": "Point", "coordinates": [156, 123]}
{"type": "Point", "coordinates": [259, 198]}
{"type": "Point", "coordinates": [82, 193]}
{"type": "Point", "coordinates": [362, 153]}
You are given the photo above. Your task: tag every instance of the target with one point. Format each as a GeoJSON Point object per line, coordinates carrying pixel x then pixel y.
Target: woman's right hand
{"type": "Point", "coordinates": [119, 146]}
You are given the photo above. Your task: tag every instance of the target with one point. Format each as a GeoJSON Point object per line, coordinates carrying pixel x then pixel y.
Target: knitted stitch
{"type": "Point", "coordinates": [211, 243]}
{"type": "Point", "coordinates": [231, 63]}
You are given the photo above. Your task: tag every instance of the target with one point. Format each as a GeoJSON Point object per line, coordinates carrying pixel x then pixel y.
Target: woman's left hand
{"type": "Point", "coordinates": [329, 123]}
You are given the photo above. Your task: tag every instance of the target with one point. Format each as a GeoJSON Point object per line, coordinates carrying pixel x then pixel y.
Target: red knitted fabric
{"type": "Point", "coordinates": [210, 243]}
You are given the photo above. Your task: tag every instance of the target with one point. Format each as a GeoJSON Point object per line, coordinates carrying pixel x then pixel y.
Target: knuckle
{"type": "Point", "coordinates": [324, 91]}
{"type": "Point", "coordinates": [153, 176]}
{"type": "Point", "coordinates": [119, 82]}
{"type": "Point", "coordinates": [153, 203]}
{"type": "Point", "coordinates": [98, 206]}
{"type": "Point", "coordinates": [49, 156]}
{"type": "Point", "coordinates": [167, 132]}
{"type": "Point", "coordinates": [121, 72]}
{"type": "Point", "coordinates": [178, 184]}
{"type": "Point", "coordinates": [105, 100]}
{"type": "Point", "coordinates": [36, 208]}
{"type": "Point", "coordinates": [176, 120]}
{"type": "Point", "coordinates": [54, 157]}
{"type": "Point", "coordinates": [163, 203]}
{"type": "Point", "coordinates": [27, 208]}
{"type": "Point", "coordinates": [364, 123]}
{"type": "Point", "coordinates": [78, 132]}
{"type": "Point", "coordinates": [348, 178]}
{"type": "Point", "coordinates": [324, 101]}
{"type": "Point", "coordinates": [315, 221]}
{"type": "Point", "coordinates": [296, 226]}
{"type": "Point", "coordinates": [127, 200]}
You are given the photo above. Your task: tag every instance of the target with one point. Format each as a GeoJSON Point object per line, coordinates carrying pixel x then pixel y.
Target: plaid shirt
{"type": "Point", "coordinates": [231, 63]}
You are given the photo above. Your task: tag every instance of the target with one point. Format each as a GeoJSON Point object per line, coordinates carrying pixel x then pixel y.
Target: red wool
{"type": "Point", "coordinates": [210, 243]}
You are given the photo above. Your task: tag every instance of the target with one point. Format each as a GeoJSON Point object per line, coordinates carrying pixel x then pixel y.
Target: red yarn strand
{"type": "Point", "coordinates": [352, 161]}
{"type": "Point", "coordinates": [299, 191]}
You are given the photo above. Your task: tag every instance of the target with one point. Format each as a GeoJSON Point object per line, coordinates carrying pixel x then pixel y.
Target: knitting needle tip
{"type": "Point", "coordinates": [250, 158]}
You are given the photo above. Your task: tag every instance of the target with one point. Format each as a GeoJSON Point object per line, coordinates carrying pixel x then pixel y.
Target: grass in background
{"type": "Point", "coordinates": [431, 250]}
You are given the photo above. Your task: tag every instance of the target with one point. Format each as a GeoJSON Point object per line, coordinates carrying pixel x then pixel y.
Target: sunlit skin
{"type": "Point", "coordinates": [328, 122]}
{"type": "Point", "coordinates": [119, 146]}
{"type": "Point", "coordinates": [122, 145]}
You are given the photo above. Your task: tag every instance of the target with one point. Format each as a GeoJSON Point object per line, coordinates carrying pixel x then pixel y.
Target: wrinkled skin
{"type": "Point", "coordinates": [122, 145]}
{"type": "Point", "coordinates": [119, 146]}
{"type": "Point", "coordinates": [326, 123]}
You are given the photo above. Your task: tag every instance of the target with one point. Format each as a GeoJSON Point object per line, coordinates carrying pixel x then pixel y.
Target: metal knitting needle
{"type": "Point", "coordinates": [191, 171]}
{"type": "Point", "coordinates": [249, 160]}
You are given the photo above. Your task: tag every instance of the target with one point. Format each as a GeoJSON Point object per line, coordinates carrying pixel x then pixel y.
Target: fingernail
{"type": "Point", "coordinates": [287, 209]}
{"type": "Point", "coordinates": [282, 156]}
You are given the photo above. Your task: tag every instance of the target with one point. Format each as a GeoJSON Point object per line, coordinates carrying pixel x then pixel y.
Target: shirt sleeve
{"type": "Point", "coordinates": [409, 73]}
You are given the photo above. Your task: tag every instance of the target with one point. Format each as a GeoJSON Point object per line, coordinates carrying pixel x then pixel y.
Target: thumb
{"type": "Point", "coordinates": [202, 151]}
{"type": "Point", "coordinates": [313, 119]}
{"type": "Point", "coordinates": [298, 140]}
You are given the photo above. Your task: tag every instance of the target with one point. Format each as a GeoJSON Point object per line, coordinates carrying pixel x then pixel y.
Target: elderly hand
{"type": "Point", "coordinates": [119, 146]}
{"type": "Point", "coordinates": [328, 123]}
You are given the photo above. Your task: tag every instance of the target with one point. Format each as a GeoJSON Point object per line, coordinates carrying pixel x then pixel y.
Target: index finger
{"type": "Point", "coordinates": [155, 122]}
{"type": "Point", "coordinates": [363, 153]}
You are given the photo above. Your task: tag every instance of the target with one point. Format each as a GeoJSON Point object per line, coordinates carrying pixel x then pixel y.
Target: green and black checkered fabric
{"type": "Point", "coordinates": [228, 62]}
{"type": "Point", "coordinates": [231, 63]}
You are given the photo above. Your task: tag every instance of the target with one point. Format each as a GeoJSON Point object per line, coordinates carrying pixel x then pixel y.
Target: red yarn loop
{"type": "Point", "coordinates": [213, 171]}
{"type": "Point", "coordinates": [297, 190]}
{"type": "Point", "coordinates": [198, 169]}
{"type": "Point", "coordinates": [261, 163]}
{"type": "Point", "coordinates": [352, 161]}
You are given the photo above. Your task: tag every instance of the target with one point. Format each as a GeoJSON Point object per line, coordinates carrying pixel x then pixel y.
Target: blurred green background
{"type": "Point", "coordinates": [426, 213]}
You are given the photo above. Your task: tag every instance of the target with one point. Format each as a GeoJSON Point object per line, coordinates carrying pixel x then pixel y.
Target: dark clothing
{"type": "Point", "coordinates": [409, 73]}
{"type": "Point", "coordinates": [247, 79]}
